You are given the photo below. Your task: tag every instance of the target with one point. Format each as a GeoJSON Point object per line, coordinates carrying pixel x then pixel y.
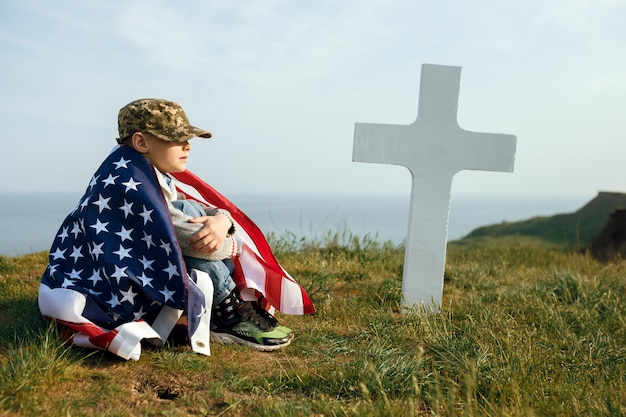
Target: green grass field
{"type": "Point", "coordinates": [525, 329]}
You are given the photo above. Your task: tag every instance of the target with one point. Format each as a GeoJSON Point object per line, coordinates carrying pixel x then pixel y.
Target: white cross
{"type": "Point", "coordinates": [434, 148]}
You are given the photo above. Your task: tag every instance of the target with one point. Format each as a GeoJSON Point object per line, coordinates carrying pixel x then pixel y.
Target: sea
{"type": "Point", "coordinates": [29, 222]}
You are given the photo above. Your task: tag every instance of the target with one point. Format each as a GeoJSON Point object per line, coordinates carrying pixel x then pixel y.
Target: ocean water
{"type": "Point", "coordinates": [29, 222]}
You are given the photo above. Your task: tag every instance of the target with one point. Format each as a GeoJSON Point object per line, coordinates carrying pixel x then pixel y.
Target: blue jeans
{"type": "Point", "coordinates": [219, 271]}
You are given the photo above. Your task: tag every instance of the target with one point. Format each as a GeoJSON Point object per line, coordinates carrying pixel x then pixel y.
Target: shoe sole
{"type": "Point", "coordinates": [229, 339]}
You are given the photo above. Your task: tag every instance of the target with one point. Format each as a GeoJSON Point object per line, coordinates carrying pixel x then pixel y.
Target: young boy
{"type": "Point", "coordinates": [166, 230]}
{"type": "Point", "coordinates": [205, 235]}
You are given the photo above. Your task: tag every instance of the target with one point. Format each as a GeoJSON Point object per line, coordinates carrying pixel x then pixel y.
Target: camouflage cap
{"type": "Point", "coordinates": [162, 118]}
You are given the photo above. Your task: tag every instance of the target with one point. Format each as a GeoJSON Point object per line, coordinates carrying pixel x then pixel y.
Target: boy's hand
{"type": "Point", "coordinates": [212, 235]}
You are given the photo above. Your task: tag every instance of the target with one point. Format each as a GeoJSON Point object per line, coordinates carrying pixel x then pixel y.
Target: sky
{"type": "Point", "coordinates": [281, 84]}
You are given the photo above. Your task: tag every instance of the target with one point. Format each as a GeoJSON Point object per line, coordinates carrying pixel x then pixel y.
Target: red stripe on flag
{"type": "Point", "coordinates": [97, 336]}
{"type": "Point", "coordinates": [104, 340]}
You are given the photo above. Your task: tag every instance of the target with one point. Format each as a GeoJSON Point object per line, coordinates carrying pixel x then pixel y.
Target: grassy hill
{"type": "Point", "coordinates": [570, 229]}
{"type": "Point", "coordinates": [523, 331]}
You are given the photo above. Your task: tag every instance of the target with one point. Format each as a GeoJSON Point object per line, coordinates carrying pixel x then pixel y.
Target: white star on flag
{"type": "Point", "coordinates": [146, 215]}
{"type": "Point", "coordinates": [58, 254]}
{"type": "Point", "coordinates": [145, 281]}
{"type": "Point", "coordinates": [122, 252]}
{"type": "Point", "coordinates": [114, 301]}
{"type": "Point", "coordinates": [139, 314]}
{"type": "Point", "coordinates": [166, 247]}
{"type": "Point", "coordinates": [148, 239]}
{"type": "Point", "coordinates": [171, 270]}
{"type": "Point", "coordinates": [110, 180]}
{"type": "Point", "coordinates": [76, 230]}
{"type": "Point", "coordinates": [167, 294]}
{"type": "Point", "coordinates": [94, 181]}
{"type": "Point", "coordinates": [102, 203]}
{"type": "Point", "coordinates": [95, 277]}
{"type": "Point", "coordinates": [122, 163]}
{"type": "Point", "coordinates": [63, 234]}
{"type": "Point", "coordinates": [74, 274]}
{"type": "Point", "coordinates": [131, 185]}
{"type": "Point", "coordinates": [96, 251]}
{"type": "Point", "coordinates": [76, 253]}
{"type": "Point", "coordinates": [128, 296]}
{"type": "Point", "coordinates": [124, 234]}
{"type": "Point", "coordinates": [147, 263]}
{"type": "Point", "coordinates": [84, 203]}
{"type": "Point", "coordinates": [119, 273]}
{"type": "Point", "coordinates": [99, 226]}
{"type": "Point", "coordinates": [127, 209]}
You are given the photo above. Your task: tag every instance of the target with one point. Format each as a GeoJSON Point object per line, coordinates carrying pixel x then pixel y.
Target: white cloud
{"type": "Point", "coordinates": [160, 33]}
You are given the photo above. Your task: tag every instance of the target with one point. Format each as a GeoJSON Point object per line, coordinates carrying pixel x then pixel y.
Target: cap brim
{"type": "Point", "coordinates": [181, 134]}
{"type": "Point", "coordinates": [200, 133]}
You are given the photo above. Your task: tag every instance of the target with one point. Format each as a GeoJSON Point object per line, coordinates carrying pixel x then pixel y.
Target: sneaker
{"type": "Point", "coordinates": [248, 328]}
{"type": "Point", "coordinates": [271, 320]}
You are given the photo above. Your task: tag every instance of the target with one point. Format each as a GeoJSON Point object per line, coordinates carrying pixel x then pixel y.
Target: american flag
{"type": "Point", "coordinates": [116, 253]}
{"type": "Point", "coordinates": [115, 264]}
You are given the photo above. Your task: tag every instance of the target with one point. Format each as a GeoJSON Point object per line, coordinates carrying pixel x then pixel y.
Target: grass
{"type": "Point", "coordinates": [525, 330]}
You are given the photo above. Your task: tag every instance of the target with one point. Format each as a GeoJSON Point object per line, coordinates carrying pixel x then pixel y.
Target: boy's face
{"type": "Point", "coordinates": [165, 156]}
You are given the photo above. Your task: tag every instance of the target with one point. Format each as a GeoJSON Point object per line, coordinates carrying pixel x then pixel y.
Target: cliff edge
{"type": "Point", "coordinates": [575, 229]}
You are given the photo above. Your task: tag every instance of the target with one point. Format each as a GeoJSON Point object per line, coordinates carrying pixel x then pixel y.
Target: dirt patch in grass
{"type": "Point", "coordinates": [163, 386]}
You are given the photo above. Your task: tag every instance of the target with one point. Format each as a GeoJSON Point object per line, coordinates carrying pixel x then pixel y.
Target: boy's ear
{"type": "Point", "coordinates": [139, 142]}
